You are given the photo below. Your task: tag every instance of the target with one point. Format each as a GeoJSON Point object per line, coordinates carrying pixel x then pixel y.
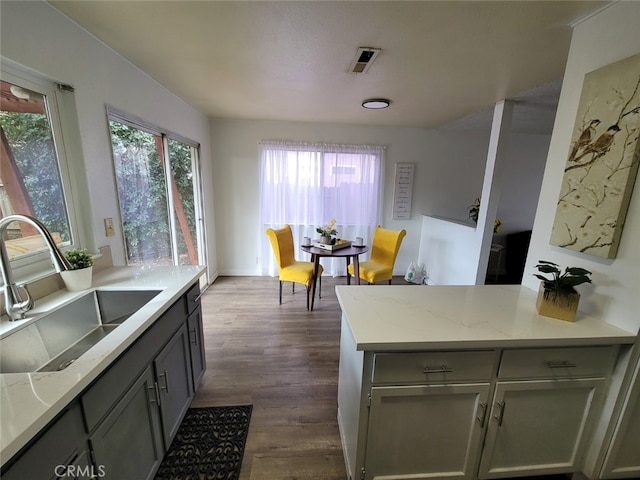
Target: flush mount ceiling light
{"type": "Point", "coordinates": [376, 103]}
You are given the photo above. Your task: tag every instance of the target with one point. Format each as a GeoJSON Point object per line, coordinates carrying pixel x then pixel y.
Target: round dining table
{"type": "Point", "coordinates": [349, 253]}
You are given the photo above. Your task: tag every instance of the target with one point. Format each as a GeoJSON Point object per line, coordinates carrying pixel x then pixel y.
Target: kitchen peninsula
{"type": "Point", "coordinates": [80, 414]}
{"type": "Point", "coordinates": [467, 382]}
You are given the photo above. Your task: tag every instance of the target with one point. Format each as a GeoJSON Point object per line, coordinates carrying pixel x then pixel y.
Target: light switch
{"type": "Point", "coordinates": [108, 227]}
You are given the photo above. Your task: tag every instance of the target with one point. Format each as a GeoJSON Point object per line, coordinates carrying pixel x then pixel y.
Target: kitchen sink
{"type": "Point", "coordinates": [57, 339]}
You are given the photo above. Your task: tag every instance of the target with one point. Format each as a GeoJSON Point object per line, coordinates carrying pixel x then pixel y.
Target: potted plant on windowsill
{"type": "Point", "coordinates": [557, 296]}
{"type": "Point", "coordinates": [80, 275]}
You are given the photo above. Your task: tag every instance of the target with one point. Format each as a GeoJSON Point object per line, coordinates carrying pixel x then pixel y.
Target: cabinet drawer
{"type": "Point", "coordinates": [557, 362]}
{"type": "Point", "coordinates": [433, 367]}
{"type": "Point", "coordinates": [192, 298]}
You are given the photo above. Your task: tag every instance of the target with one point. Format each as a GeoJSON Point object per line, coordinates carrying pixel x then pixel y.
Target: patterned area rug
{"type": "Point", "coordinates": [209, 445]}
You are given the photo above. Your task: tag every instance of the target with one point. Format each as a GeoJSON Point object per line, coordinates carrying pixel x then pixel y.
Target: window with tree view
{"type": "Point", "coordinates": [30, 180]}
{"type": "Point", "coordinates": [159, 196]}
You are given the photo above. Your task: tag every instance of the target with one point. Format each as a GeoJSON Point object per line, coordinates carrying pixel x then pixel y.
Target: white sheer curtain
{"type": "Point", "coordinates": [307, 184]}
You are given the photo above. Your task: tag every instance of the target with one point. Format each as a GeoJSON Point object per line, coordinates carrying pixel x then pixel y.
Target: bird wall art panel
{"type": "Point", "coordinates": [602, 161]}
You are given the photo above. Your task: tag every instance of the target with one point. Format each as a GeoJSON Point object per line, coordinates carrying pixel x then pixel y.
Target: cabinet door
{"type": "Point", "coordinates": [53, 454]}
{"type": "Point", "coordinates": [174, 379]}
{"type": "Point", "coordinates": [425, 431]}
{"type": "Point", "coordinates": [128, 443]}
{"type": "Point", "coordinates": [537, 427]}
{"type": "Point", "coordinates": [196, 346]}
{"type": "Point", "coordinates": [623, 457]}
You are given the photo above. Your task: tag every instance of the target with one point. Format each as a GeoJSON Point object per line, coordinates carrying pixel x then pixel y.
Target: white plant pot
{"type": "Point", "coordinates": [76, 280]}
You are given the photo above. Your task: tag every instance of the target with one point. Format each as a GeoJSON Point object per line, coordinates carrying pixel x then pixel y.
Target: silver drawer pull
{"type": "Point", "coordinates": [166, 381]}
{"type": "Point", "coordinates": [483, 415]}
{"type": "Point", "coordinates": [156, 392]}
{"type": "Point", "coordinates": [500, 415]}
{"type": "Point", "coordinates": [564, 364]}
{"type": "Point", "coordinates": [442, 369]}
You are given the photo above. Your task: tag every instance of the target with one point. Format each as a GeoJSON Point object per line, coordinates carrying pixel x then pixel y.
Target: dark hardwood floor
{"type": "Point", "coordinates": [283, 360]}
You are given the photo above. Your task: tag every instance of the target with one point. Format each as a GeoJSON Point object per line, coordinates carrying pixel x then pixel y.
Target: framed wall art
{"type": "Point", "coordinates": [602, 163]}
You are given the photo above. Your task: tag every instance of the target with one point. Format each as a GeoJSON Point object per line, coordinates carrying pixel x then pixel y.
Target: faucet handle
{"type": "Point", "coordinates": [14, 304]}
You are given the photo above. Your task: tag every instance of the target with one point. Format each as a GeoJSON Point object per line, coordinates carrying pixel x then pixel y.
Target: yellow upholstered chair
{"type": "Point", "coordinates": [384, 250]}
{"type": "Point", "coordinates": [290, 269]}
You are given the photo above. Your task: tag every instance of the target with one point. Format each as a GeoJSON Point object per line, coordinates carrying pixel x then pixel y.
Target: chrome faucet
{"type": "Point", "coordinates": [15, 305]}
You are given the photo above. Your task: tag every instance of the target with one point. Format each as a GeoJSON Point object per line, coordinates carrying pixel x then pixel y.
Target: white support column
{"type": "Point", "coordinates": [493, 174]}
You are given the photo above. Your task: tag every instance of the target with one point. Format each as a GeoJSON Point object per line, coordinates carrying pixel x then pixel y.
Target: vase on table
{"type": "Point", "coordinates": [325, 239]}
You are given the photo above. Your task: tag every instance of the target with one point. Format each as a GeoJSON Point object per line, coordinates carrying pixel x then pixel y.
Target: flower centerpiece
{"type": "Point", "coordinates": [327, 232]}
{"type": "Point", "coordinates": [80, 275]}
{"type": "Point", "coordinates": [557, 297]}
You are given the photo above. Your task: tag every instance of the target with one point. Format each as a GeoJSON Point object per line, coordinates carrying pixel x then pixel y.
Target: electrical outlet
{"type": "Point", "coordinates": [108, 227]}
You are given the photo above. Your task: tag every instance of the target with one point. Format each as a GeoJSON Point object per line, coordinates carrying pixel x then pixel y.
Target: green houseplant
{"type": "Point", "coordinates": [80, 275]}
{"type": "Point", "coordinates": [79, 259]}
{"type": "Point", "coordinates": [557, 296]}
{"type": "Point", "coordinates": [327, 232]}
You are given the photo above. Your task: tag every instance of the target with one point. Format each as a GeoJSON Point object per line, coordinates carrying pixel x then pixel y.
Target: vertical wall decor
{"type": "Point", "coordinates": [403, 191]}
{"type": "Point", "coordinates": [603, 161]}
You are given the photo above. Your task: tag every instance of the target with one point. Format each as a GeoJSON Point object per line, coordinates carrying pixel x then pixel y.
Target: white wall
{"type": "Point", "coordinates": [450, 251]}
{"type": "Point", "coordinates": [614, 296]}
{"type": "Point", "coordinates": [449, 170]}
{"type": "Point", "coordinates": [610, 36]}
{"type": "Point", "coordinates": [524, 168]}
{"type": "Point", "coordinates": [37, 36]}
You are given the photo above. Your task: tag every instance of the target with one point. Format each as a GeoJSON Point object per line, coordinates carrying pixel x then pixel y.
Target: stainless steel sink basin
{"type": "Point", "coordinates": [57, 339]}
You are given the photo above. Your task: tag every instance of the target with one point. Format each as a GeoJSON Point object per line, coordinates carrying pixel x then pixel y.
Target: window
{"type": "Point", "coordinates": [33, 173]}
{"type": "Point", "coordinates": [307, 185]}
{"type": "Point", "coordinates": [159, 194]}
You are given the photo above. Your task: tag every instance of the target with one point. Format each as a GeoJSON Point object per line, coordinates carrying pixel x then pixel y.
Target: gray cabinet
{"type": "Point", "coordinates": [196, 346]}
{"type": "Point", "coordinates": [174, 382]}
{"type": "Point", "coordinates": [128, 444]}
{"type": "Point", "coordinates": [123, 423]}
{"type": "Point", "coordinates": [55, 452]}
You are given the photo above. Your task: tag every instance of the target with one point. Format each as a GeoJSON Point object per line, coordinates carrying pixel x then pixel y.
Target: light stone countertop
{"type": "Point", "coordinates": [423, 317]}
{"type": "Point", "coordinates": [28, 401]}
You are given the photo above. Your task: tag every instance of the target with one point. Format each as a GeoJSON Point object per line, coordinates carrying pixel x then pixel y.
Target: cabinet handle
{"type": "Point", "coordinates": [442, 369]}
{"type": "Point", "coordinates": [194, 339]}
{"type": "Point", "coordinates": [564, 364]}
{"type": "Point", "coordinates": [154, 387]}
{"type": "Point", "coordinates": [481, 418]}
{"type": "Point", "coordinates": [166, 381]}
{"type": "Point", "coordinates": [500, 415]}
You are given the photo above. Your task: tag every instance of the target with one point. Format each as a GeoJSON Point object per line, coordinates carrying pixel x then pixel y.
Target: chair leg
{"type": "Point", "coordinates": [293, 287]}
{"type": "Point", "coordinates": [280, 292]}
{"type": "Point", "coordinates": [320, 291]}
{"type": "Point", "coordinates": [389, 281]}
{"type": "Point", "coordinates": [348, 278]}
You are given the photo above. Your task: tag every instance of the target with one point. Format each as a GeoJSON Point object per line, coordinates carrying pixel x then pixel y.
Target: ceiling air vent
{"type": "Point", "coordinates": [363, 59]}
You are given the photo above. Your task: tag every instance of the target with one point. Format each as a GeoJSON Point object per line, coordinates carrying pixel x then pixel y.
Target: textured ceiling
{"type": "Point", "coordinates": [441, 61]}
